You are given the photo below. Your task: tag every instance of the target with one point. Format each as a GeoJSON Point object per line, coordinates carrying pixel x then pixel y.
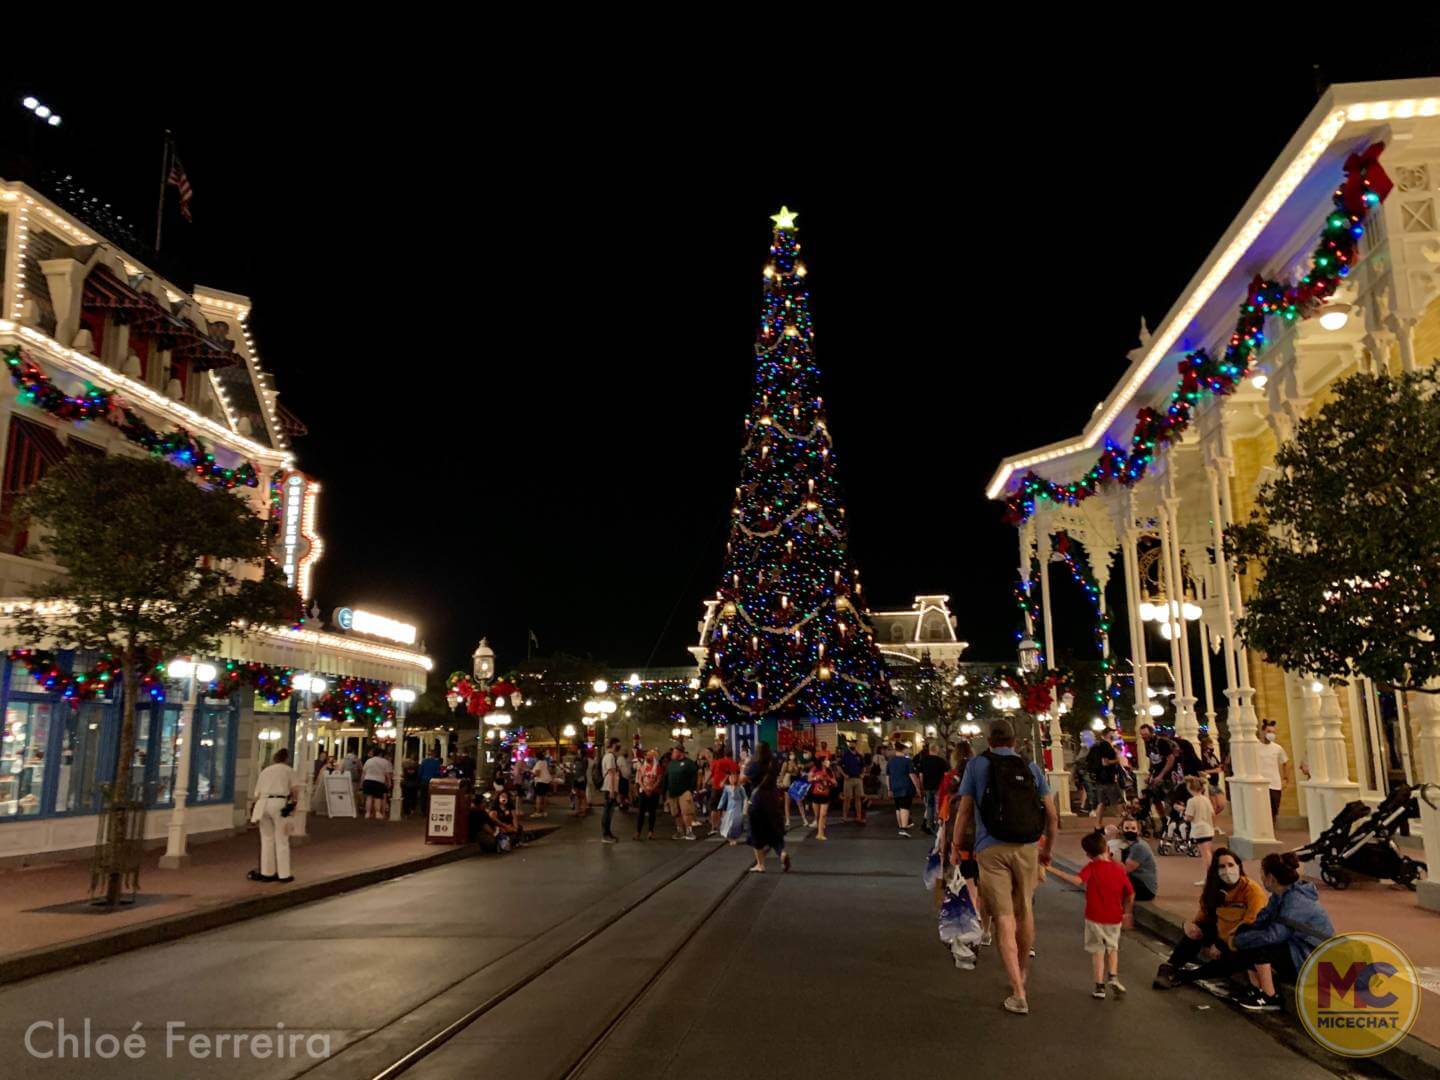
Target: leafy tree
{"type": "Point", "coordinates": [1347, 538]}
{"type": "Point", "coordinates": [157, 565]}
{"type": "Point", "coordinates": [931, 699]}
{"type": "Point", "coordinates": [557, 684]}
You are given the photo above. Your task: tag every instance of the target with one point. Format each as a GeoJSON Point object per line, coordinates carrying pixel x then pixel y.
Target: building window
{"type": "Point", "coordinates": [30, 450]}
{"type": "Point", "coordinates": [210, 768]}
{"type": "Point", "coordinates": [22, 757]}
{"type": "Point", "coordinates": [82, 732]}
{"type": "Point", "coordinates": [897, 632]}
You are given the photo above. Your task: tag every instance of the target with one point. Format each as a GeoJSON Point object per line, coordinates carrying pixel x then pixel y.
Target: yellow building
{"type": "Point", "coordinates": [1343, 743]}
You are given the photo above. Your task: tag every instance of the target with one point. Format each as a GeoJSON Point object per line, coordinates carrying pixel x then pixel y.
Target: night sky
{"type": "Point", "coordinates": [520, 334]}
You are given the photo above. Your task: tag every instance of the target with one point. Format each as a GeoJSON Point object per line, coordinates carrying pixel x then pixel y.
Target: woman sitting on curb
{"type": "Point", "coordinates": [1228, 901]}
{"type": "Point", "coordinates": [1282, 936]}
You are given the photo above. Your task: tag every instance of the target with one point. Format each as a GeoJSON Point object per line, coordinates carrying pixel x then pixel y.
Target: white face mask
{"type": "Point", "coordinates": [1229, 874]}
{"type": "Point", "coordinates": [1269, 736]}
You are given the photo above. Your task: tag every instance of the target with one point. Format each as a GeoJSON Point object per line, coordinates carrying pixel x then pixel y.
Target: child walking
{"type": "Point", "coordinates": [1109, 898]}
{"type": "Point", "coordinates": [731, 808]}
{"type": "Point", "coordinates": [1200, 813]}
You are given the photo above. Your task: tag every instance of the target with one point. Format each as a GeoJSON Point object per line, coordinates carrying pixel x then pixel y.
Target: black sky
{"type": "Point", "coordinates": [520, 332]}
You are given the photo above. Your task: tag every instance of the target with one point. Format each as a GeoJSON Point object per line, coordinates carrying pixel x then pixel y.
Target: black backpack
{"type": "Point", "coordinates": [1011, 806]}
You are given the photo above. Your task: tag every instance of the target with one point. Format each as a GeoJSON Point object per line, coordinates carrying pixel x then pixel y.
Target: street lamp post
{"type": "Point", "coordinates": [309, 685]}
{"type": "Point", "coordinates": [176, 856]}
{"type": "Point", "coordinates": [680, 732]}
{"type": "Point", "coordinates": [403, 698]}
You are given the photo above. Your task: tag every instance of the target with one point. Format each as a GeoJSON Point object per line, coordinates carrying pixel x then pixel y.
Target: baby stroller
{"type": "Point", "coordinates": [1175, 831]}
{"type": "Point", "coordinates": [1360, 843]}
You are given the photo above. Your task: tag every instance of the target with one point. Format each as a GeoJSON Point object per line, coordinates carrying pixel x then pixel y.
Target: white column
{"type": "Point", "coordinates": [1254, 832]}
{"type": "Point", "coordinates": [1204, 632]}
{"type": "Point", "coordinates": [1328, 760]}
{"type": "Point", "coordinates": [1058, 776]}
{"type": "Point", "coordinates": [176, 856]}
{"type": "Point", "coordinates": [1174, 600]}
{"type": "Point", "coordinates": [397, 792]}
{"type": "Point", "coordinates": [1426, 709]}
{"type": "Point", "coordinates": [1101, 568]}
{"type": "Point", "coordinates": [1138, 659]}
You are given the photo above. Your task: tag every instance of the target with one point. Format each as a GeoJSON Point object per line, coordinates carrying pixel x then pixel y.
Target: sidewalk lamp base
{"type": "Point", "coordinates": [1427, 895]}
{"type": "Point", "coordinates": [1254, 849]}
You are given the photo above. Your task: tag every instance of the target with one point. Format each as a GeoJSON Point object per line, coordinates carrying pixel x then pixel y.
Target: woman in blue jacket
{"type": "Point", "coordinates": [1287, 931]}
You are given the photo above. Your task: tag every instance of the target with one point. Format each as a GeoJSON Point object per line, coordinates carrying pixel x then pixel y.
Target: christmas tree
{"type": "Point", "coordinates": [789, 637]}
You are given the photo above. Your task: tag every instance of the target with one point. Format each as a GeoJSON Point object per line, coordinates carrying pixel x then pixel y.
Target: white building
{"type": "Point", "coordinates": [1357, 740]}
{"type": "Point", "coordinates": [76, 312]}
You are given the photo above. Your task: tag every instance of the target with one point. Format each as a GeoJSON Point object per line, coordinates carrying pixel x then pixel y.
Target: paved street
{"type": "Point", "coordinates": [837, 961]}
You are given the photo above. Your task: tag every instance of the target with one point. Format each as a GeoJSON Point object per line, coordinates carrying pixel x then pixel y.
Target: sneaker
{"type": "Point", "coordinates": [688, 835]}
{"type": "Point", "coordinates": [715, 836]}
{"type": "Point", "coordinates": [1165, 978]}
{"type": "Point", "coordinates": [756, 870]}
{"type": "Point", "coordinates": [1115, 984]}
{"type": "Point", "coordinates": [1099, 991]}
{"type": "Point", "coordinates": [988, 938]}
{"type": "Point", "coordinates": [1017, 1005]}
{"type": "Point", "coordinates": [904, 834]}
{"type": "Point", "coordinates": [1261, 1002]}
{"type": "Point", "coordinates": [608, 840]}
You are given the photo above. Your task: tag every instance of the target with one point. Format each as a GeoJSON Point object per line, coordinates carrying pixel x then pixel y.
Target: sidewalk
{"type": "Point", "coordinates": [1375, 907]}
{"type": "Point", "coordinates": [42, 907]}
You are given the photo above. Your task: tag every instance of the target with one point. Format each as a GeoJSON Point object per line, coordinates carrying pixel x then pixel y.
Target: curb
{"type": "Point", "coordinates": [1413, 1059]}
{"type": "Point", "coordinates": [51, 958]}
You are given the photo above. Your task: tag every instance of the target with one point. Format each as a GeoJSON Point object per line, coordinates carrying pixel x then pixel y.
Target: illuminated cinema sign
{"type": "Point", "coordinates": [354, 620]}
{"type": "Point", "coordinates": [300, 545]}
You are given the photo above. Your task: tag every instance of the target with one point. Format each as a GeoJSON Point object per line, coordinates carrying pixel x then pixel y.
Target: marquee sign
{"type": "Point", "coordinates": [300, 546]}
{"type": "Point", "coordinates": [354, 620]}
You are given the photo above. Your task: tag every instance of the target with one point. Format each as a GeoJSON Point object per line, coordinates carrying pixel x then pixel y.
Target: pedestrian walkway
{"type": "Point", "coordinates": [1378, 908]}
{"type": "Point", "coordinates": [43, 906]}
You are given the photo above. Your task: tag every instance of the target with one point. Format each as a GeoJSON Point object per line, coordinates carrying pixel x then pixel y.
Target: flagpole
{"type": "Point", "coordinates": [164, 176]}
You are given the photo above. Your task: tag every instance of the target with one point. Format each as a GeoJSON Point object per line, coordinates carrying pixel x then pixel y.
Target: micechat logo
{"type": "Point", "coordinates": [1358, 995]}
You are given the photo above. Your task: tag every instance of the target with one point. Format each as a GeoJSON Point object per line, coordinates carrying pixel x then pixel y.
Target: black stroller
{"type": "Point", "coordinates": [1360, 843]}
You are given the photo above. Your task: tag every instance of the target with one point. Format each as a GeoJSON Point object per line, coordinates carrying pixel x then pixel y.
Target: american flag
{"type": "Point", "coordinates": [181, 182]}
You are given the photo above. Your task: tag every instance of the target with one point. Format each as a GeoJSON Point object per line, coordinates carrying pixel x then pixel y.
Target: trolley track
{"type": "Point", "coordinates": [517, 986]}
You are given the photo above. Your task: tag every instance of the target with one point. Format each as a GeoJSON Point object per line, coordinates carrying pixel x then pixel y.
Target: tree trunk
{"type": "Point", "coordinates": [123, 759]}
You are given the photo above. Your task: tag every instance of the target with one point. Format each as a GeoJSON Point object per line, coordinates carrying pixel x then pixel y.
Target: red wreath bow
{"type": "Point", "coordinates": [1363, 171]}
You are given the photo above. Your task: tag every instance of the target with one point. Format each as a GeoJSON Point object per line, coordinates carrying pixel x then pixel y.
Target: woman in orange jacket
{"type": "Point", "coordinates": [1228, 901]}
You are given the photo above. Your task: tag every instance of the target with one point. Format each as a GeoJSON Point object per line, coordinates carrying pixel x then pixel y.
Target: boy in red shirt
{"type": "Point", "coordinates": [1109, 898]}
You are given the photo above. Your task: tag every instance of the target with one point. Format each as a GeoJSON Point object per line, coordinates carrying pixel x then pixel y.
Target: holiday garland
{"type": "Point", "coordinates": [46, 670]}
{"type": "Point", "coordinates": [1365, 186]}
{"type": "Point", "coordinates": [356, 701]}
{"type": "Point", "coordinates": [1078, 564]}
{"type": "Point", "coordinates": [178, 446]}
{"type": "Point", "coordinates": [273, 684]}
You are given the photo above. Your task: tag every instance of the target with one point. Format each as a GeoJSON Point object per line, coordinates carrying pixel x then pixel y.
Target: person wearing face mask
{"type": "Point", "coordinates": [1228, 901]}
{"type": "Point", "coordinates": [1138, 860]}
{"type": "Point", "coordinates": [1274, 765]}
{"type": "Point", "coordinates": [1282, 936]}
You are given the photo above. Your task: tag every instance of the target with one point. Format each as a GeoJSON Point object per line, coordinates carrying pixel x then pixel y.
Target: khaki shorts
{"type": "Point", "coordinates": [1101, 937]}
{"type": "Point", "coordinates": [1008, 876]}
{"type": "Point", "coordinates": [682, 804]}
{"type": "Point", "coordinates": [854, 788]}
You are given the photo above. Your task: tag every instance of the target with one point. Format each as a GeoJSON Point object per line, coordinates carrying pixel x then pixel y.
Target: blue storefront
{"type": "Point", "coordinates": [55, 754]}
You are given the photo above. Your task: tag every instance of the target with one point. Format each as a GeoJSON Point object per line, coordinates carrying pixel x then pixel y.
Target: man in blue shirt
{"type": "Point", "coordinates": [1009, 872]}
{"type": "Point", "coordinates": [429, 769]}
{"type": "Point", "coordinates": [902, 785]}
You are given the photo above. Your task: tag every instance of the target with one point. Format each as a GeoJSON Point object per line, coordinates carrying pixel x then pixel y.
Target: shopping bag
{"type": "Point", "coordinates": [958, 919]}
{"type": "Point", "coordinates": [799, 789]}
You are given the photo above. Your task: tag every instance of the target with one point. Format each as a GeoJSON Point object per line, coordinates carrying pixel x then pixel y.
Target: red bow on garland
{"type": "Point", "coordinates": [1037, 693]}
{"type": "Point", "coordinates": [1363, 172]}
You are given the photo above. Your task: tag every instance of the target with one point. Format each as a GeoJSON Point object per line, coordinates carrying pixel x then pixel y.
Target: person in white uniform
{"type": "Point", "coordinates": [274, 787]}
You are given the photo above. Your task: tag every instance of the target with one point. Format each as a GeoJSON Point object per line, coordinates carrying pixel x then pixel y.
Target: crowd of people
{"type": "Point", "coordinates": [998, 823]}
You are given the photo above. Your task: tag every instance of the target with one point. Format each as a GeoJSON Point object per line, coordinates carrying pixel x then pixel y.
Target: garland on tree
{"type": "Point", "coordinates": [178, 446]}
{"type": "Point", "coordinates": [1365, 186]}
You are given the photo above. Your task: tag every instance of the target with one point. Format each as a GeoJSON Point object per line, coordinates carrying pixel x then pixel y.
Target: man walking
{"type": "Point", "coordinates": [853, 766]}
{"type": "Point", "coordinates": [275, 788]}
{"type": "Point", "coordinates": [1011, 806]}
{"type": "Point", "coordinates": [610, 786]}
{"type": "Point", "coordinates": [902, 786]}
{"type": "Point", "coordinates": [1274, 765]}
{"type": "Point", "coordinates": [930, 767]}
{"type": "Point", "coordinates": [681, 776]}
{"type": "Point", "coordinates": [1104, 768]}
